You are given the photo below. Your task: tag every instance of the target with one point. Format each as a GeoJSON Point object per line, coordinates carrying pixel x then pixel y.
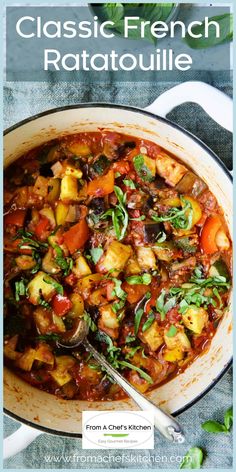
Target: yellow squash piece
{"type": "Point", "coordinates": [173, 355]}
{"type": "Point", "coordinates": [195, 318]}
{"type": "Point", "coordinates": [60, 374]}
{"type": "Point", "coordinates": [153, 336]}
{"type": "Point", "coordinates": [81, 267]}
{"type": "Point", "coordinates": [61, 213]}
{"type": "Point", "coordinates": [25, 362]}
{"type": "Point", "coordinates": [37, 288]}
{"type": "Point", "coordinates": [69, 189]}
{"type": "Point", "coordinates": [116, 256]}
{"type": "Point", "coordinates": [170, 169]}
{"type": "Point", "coordinates": [146, 258]}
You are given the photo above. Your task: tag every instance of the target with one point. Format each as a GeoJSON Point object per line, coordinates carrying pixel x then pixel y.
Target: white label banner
{"type": "Point", "coordinates": [118, 430]}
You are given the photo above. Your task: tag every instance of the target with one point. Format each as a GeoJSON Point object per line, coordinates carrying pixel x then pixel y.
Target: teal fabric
{"type": "Point", "coordinates": [23, 100]}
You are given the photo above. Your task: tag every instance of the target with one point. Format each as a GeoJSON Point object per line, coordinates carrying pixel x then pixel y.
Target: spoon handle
{"type": "Point", "coordinates": [165, 423]}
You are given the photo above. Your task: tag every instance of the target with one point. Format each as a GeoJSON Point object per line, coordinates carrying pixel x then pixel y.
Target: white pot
{"type": "Point", "coordinates": [44, 412]}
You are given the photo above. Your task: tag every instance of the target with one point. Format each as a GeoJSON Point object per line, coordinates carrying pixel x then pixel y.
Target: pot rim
{"type": "Point", "coordinates": [205, 148]}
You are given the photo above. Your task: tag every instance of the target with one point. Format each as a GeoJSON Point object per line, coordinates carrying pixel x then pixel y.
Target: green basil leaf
{"type": "Point", "coordinates": [225, 22]}
{"type": "Point", "coordinates": [20, 289]}
{"type": "Point", "coordinates": [58, 287]}
{"type": "Point", "coordinates": [137, 369]}
{"type": "Point", "coordinates": [171, 331]}
{"type": "Point", "coordinates": [193, 459]}
{"type": "Point", "coordinates": [148, 323]}
{"type": "Point", "coordinates": [129, 183]}
{"type": "Point", "coordinates": [113, 11]}
{"type": "Point", "coordinates": [228, 418]}
{"type": "Point", "coordinates": [144, 279]}
{"type": "Point", "coordinates": [137, 319]}
{"type": "Point", "coordinates": [212, 426]}
{"type": "Point", "coordinates": [96, 254]}
{"type": "Point", "coordinates": [142, 170]}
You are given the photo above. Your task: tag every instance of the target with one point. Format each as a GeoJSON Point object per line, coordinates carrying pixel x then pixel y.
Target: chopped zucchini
{"type": "Point", "coordinates": [146, 258]}
{"type": "Point", "coordinates": [195, 318]}
{"type": "Point", "coordinates": [170, 169]}
{"type": "Point", "coordinates": [44, 354]}
{"type": "Point", "coordinates": [60, 374]}
{"type": "Point", "coordinates": [116, 256]}
{"type": "Point", "coordinates": [153, 336]}
{"type": "Point", "coordinates": [49, 214]}
{"type": "Point", "coordinates": [87, 284]}
{"type": "Point", "coordinates": [69, 189]}
{"type": "Point", "coordinates": [108, 317]}
{"type": "Point", "coordinates": [180, 340]}
{"type": "Point", "coordinates": [38, 288]}
{"type": "Point", "coordinates": [219, 268]}
{"type": "Point", "coordinates": [81, 267]}
{"type": "Point", "coordinates": [25, 362]}
{"type": "Point", "coordinates": [41, 186]}
{"type": "Point", "coordinates": [164, 251]}
{"type": "Point", "coordinates": [48, 263]}
{"type": "Point", "coordinates": [61, 213]}
{"type": "Point", "coordinates": [73, 171]}
{"type": "Point", "coordinates": [25, 262]}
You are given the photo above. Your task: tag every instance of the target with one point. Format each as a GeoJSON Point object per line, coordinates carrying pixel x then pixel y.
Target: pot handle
{"type": "Point", "coordinates": [19, 440]}
{"type": "Point", "coordinates": [216, 103]}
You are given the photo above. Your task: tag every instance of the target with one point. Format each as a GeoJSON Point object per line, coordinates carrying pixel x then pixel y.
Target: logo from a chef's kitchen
{"type": "Point", "coordinates": [118, 430]}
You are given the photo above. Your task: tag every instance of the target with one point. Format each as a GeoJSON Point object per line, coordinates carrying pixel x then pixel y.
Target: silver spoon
{"type": "Point", "coordinates": [165, 423]}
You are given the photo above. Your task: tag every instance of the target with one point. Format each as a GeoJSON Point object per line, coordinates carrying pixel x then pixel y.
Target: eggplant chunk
{"type": "Point", "coordinates": [191, 184]}
{"type": "Point", "coordinates": [152, 230]}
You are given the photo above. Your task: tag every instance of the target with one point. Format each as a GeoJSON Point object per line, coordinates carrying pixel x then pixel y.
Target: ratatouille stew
{"type": "Point", "coordinates": [113, 229]}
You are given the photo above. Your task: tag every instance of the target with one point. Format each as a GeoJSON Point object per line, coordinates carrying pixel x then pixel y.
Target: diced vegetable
{"type": "Point", "coordinates": [54, 187]}
{"type": "Point", "coordinates": [222, 240]}
{"type": "Point", "coordinates": [146, 258]}
{"type": "Point", "coordinates": [61, 304]}
{"type": "Point", "coordinates": [180, 340]}
{"type": "Point", "coordinates": [145, 167]}
{"type": "Point", "coordinates": [219, 268]}
{"type": "Point", "coordinates": [48, 213]}
{"type": "Point", "coordinates": [73, 171]}
{"type": "Point", "coordinates": [42, 319]}
{"type": "Point", "coordinates": [79, 149]}
{"type": "Point", "coordinates": [61, 373]}
{"type": "Point", "coordinates": [153, 336]}
{"type": "Point", "coordinates": [49, 264]}
{"type": "Point", "coordinates": [44, 354]}
{"type": "Point", "coordinates": [86, 284]}
{"type": "Point", "coordinates": [81, 267]}
{"type": "Point", "coordinates": [25, 262]}
{"type": "Point", "coordinates": [191, 184]}
{"type": "Point", "coordinates": [170, 169]}
{"type": "Point", "coordinates": [42, 227]}
{"type": "Point", "coordinates": [41, 186]}
{"type": "Point", "coordinates": [117, 254]}
{"type": "Point", "coordinates": [76, 236]}
{"type": "Point", "coordinates": [164, 251]}
{"type": "Point", "coordinates": [58, 324]}
{"type": "Point", "coordinates": [102, 185]}
{"type": "Point", "coordinates": [195, 318]}
{"type": "Point", "coordinates": [196, 210]}
{"type": "Point", "coordinates": [25, 362]}
{"type": "Point", "coordinates": [77, 308]}
{"type": "Point", "coordinates": [173, 355]}
{"type": "Point", "coordinates": [108, 317]}
{"type": "Point", "coordinates": [16, 218]}
{"type": "Point", "coordinates": [69, 189]}
{"type": "Point", "coordinates": [152, 230]}
{"type": "Point", "coordinates": [208, 235]}
{"type": "Point", "coordinates": [98, 297]}
{"type": "Point", "coordinates": [61, 213]}
{"type": "Point", "coordinates": [135, 292]}
{"type": "Point", "coordinates": [132, 267]}
{"type": "Point", "coordinates": [38, 288]}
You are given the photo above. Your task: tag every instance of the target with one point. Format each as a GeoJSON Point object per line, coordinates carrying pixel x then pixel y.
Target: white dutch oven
{"type": "Point", "coordinates": [41, 412]}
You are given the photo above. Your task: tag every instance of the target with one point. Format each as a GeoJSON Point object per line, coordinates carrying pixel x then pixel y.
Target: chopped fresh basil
{"type": "Point", "coordinates": [58, 287]}
{"type": "Point", "coordinates": [96, 254]}
{"type": "Point", "coordinates": [137, 319]}
{"type": "Point", "coordinates": [129, 183]}
{"type": "Point", "coordinates": [142, 170]}
{"type": "Point", "coordinates": [180, 218]}
{"type": "Point", "coordinates": [20, 289]}
{"type": "Point", "coordinates": [119, 214]}
{"type": "Point", "coordinates": [144, 279]}
{"type": "Point", "coordinates": [171, 331]}
{"type": "Point", "coordinates": [148, 323]}
{"type": "Point", "coordinates": [163, 306]}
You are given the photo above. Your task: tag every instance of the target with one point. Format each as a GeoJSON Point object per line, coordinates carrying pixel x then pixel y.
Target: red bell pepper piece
{"type": "Point", "coordinates": [61, 304]}
{"type": "Point", "coordinates": [102, 185]}
{"type": "Point", "coordinates": [16, 218]}
{"type": "Point", "coordinates": [76, 236]}
{"type": "Point", "coordinates": [208, 234]}
{"type": "Point", "coordinates": [42, 226]}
